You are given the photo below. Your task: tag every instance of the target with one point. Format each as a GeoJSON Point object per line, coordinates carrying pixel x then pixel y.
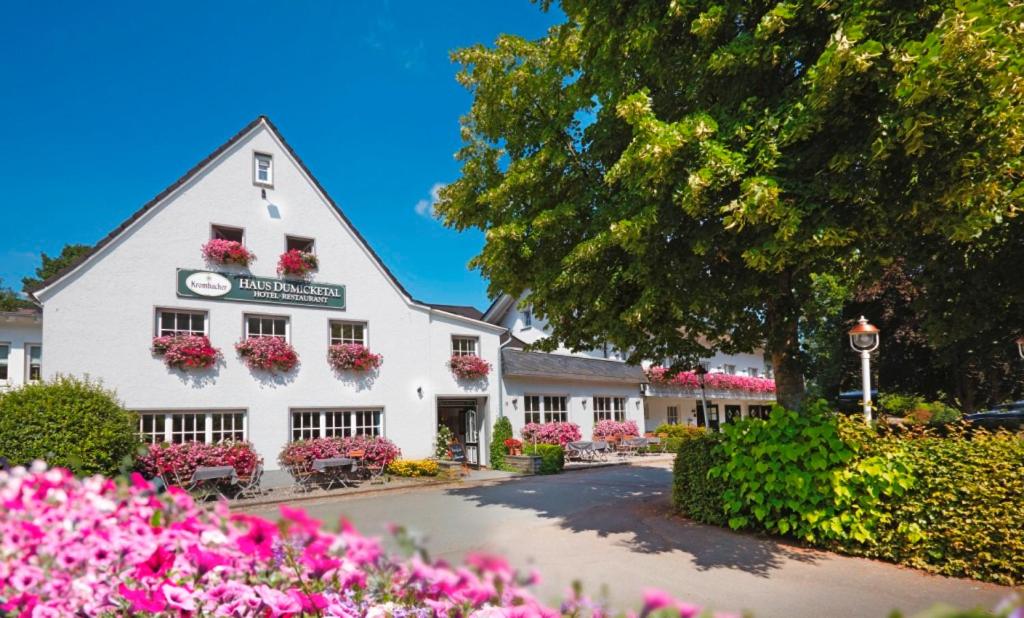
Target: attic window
{"type": "Point", "coordinates": [304, 245]}
{"type": "Point", "coordinates": [223, 232]}
{"type": "Point", "coordinates": [263, 169]}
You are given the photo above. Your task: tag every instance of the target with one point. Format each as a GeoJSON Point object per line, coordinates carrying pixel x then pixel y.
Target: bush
{"type": "Point", "coordinates": [694, 493]}
{"type": "Point", "coordinates": [899, 404]}
{"type": "Point", "coordinates": [71, 423]}
{"type": "Point", "coordinates": [934, 413]}
{"type": "Point", "coordinates": [414, 467]}
{"type": "Point", "coordinates": [678, 431]}
{"type": "Point", "coordinates": [502, 432]}
{"type": "Point", "coordinates": [552, 457]}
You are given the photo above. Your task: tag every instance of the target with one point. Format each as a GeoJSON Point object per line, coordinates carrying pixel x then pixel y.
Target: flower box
{"type": "Point", "coordinates": [267, 354]}
{"type": "Point", "coordinates": [186, 351]}
{"type": "Point", "coordinates": [469, 366]}
{"type": "Point", "coordinates": [352, 357]}
{"type": "Point", "coordinates": [227, 252]}
{"type": "Point", "coordinates": [715, 381]}
{"type": "Point", "coordinates": [296, 263]}
{"type": "Point", "coordinates": [515, 447]}
{"type": "Point", "coordinates": [524, 464]}
{"type": "Point", "coordinates": [177, 462]}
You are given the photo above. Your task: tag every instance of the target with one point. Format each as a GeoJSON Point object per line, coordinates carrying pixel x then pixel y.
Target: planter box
{"type": "Point", "coordinates": [450, 469]}
{"type": "Point", "coordinates": [526, 464]}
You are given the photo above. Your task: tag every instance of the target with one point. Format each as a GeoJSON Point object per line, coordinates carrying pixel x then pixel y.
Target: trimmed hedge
{"type": "Point", "coordinates": [678, 431]}
{"type": "Point", "coordinates": [946, 502]}
{"type": "Point", "coordinates": [552, 457]}
{"type": "Point", "coordinates": [502, 432]}
{"type": "Point", "coordinates": [70, 423]}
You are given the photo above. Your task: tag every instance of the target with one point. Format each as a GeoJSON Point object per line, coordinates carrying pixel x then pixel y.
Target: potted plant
{"type": "Point", "coordinates": [186, 351]}
{"type": "Point", "coordinates": [267, 354]}
{"type": "Point", "coordinates": [296, 263]}
{"type": "Point", "coordinates": [352, 357]}
{"type": "Point", "coordinates": [469, 366]}
{"type": "Point", "coordinates": [226, 252]}
{"type": "Point", "coordinates": [515, 447]}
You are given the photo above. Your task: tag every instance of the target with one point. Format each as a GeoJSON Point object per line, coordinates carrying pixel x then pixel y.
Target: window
{"type": "Point", "coordinates": [305, 245]}
{"type": "Point", "coordinates": [177, 322]}
{"type": "Point", "coordinates": [732, 414]}
{"type": "Point", "coordinates": [263, 169]}
{"type": "Point", "coordinates": [5, 354]}
{"type": "Point", "coordinates": [178, 427]}
{"type": "Point", "coordinates": [309, 424]}
{"type": "Point", "coordinates": [761, 412]}
{"type": "Point", "coordinates": [348, 332]}
{"type": "Point", "coordinates": [673, 415]}
{"type": "Point", "coordinates": [35, 363]}
{"type": "Point", "coordinates": [528, 317]}
{"type": "Point", "coordinates": [729, 369]}
{"type": "Point", "coordinates": [546, 408]}
{"type": "Point", "coordinates": [222, 232]}
{"type": "Point", "coordinates": [464, 346]}
{"type": "Point", "coordinates": [266, 326]}
{"type": "Point", "coordinates": [769, 372]}
{"type": "Point", "coordinates": [609, 409]}
{"type": "Point", "coordinates": [753, 372]}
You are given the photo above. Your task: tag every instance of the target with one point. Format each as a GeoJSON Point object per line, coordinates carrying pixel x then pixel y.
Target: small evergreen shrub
{"type": "Point", "coordinates": [70, 423]}
{"type": "Point", "coordinates": [552, 457]}
{"type": "Point", "coordinates": [441, 445]}
{"type": "Point", "coordinates": [502, 432]}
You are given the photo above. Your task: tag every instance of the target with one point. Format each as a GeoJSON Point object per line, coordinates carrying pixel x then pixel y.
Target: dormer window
{"type": "Point", "coordinates": [263, 169]}
{"type": "Point", "coordinates": [223, 232]}
{"type": "Point", "coordinates": [528, 317]}
{"type": "Point", "coordinates": [304, 245]}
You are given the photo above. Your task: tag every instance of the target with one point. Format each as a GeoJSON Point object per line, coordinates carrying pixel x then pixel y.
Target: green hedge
{"type": "Point", "coordinates": [75, 424]}
{"type": "Point", "coordinates": [552, 457]}
{"type": "Point", "coordinates": [502, 432]}
{"type": "Point", "coordinates": [948, 503]}
{"type": "Point", "coordinates": [678, 431]}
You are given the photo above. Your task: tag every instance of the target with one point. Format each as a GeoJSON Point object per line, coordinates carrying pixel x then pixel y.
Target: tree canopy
{"type": "Point", "coordinates": [52, 265]}
{"type": "Point", "coordinates": [677, 177]}
{"type": "Point", "coordinates": [9, 299]}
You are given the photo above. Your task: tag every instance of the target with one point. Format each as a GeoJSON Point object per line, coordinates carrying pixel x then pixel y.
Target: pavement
{"type": "Point", "coordinates": [613, 530]}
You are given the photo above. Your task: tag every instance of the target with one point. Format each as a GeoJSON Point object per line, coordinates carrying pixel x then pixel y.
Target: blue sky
{"type": "Point", "coordinates": [106, 106]}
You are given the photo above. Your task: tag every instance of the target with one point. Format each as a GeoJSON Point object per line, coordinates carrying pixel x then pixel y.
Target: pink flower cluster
{"type": "Point", "coordinates": [297, 263]}
{"type": "Point", "coordinates": [551, 433]}
{"type": "Point", "coordinates": [179, 461]}
{"type": "Point", "coordinates": [300, 454]}
{"type": "Point", "coordinates": [608, 429]}
{"type": "Point", "coordinates": [718, 381]}
{"type": "Point", "coordinates": [352, 357]}
{"type": "Point", "coordinates": [220, 251]}
{"type": "Point", "coordinates": [186, 351]}
{"type": "Point", "coordinates": [469, 366]}
{"type": "Point", "coordinates": [267, 354]}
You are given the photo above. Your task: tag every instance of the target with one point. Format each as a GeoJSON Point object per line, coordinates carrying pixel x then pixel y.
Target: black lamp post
{"type": "Point", "coordinates": [701, 372]}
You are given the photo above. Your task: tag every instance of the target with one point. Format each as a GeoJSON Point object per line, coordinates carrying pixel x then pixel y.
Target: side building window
{"type": "Point", "coordinates": [34, 362]}
{"type": "Point", "coordinates": [179, 427]}
{"type": "Point", "coordinates": [5, 355]}
{"type": "Point", "coordinates": [609, 409]}
{"type": "Point", "coordinates": [348, 332]}
{"type": "Point", "coordinates": [464, 346]}
{"type": "Point", "coordinates": [673, 415]}
{"type": "Point", "coordinates": [180, 322]}
{"type": "Point", "coordinates": [545, 409]}
{"type": "Point", "coordinates": [309, 424]}
{"type": "Point", "coordinates": [266, 326]}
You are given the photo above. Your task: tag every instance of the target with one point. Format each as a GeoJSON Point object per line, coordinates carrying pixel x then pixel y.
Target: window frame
{"type": "Point", "coordinates": [476, 345]}
{"type": "Point", "coordinates": [28, 362]}
{"type": "Point", "coordinates": [544, 413]}
{"type": "Point", "coordinates": [5, 363]}
{"type": "Point", "coordinates": [609, 413]}
{"type": "Point", "coordinates": [310, 242]}
{"type": "Point", "coordinates": [167, 424]}
{"type": "Point", "coordinates": [348, 426]}
{"type": "Point", "coordinates": [729, 370]}
{"type": "Point", "coordinates": [753, 372]}
{"type": "Point", "coordinates": [257, 156]}
{"type": "Point", "coordinates": [216, 227]}
{"type": "Point", "coordinates": [272, 316]}
{"type": "Point", "coordinates": [527, 317]}
{"type": "Point", "coordinates": [330, 331]}
{"type": "Point", "coordinates": [670, 418]}
{"type": "Point", "coordinates": [158, 319]}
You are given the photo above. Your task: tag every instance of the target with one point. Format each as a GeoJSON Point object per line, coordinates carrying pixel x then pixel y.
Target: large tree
{"type": "Point", "coordinates": [675, 176]}
{"type": "Point", "coordinates": [50, 266]}
{"type": "Point", "coordinates": [9, 299]}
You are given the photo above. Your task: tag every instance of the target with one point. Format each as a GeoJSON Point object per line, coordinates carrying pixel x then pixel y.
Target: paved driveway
{"type": "Point", "coordinates": [612, 527]}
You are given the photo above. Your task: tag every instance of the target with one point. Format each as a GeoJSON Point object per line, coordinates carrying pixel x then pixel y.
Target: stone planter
{"type": "Point", "coordinates": [526, 464]}
{"type": "Point", "coordinates": [450, 469]}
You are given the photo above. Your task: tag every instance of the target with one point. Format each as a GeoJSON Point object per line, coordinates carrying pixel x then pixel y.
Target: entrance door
{"type": "Point", "coordinates": [462, 417]}
{"type": "Point", "coordinates": [732, 414]}
{"type": "Point", "coordinates": [711, 419]}
{"type": "Point", "coordinates": [472, 437]}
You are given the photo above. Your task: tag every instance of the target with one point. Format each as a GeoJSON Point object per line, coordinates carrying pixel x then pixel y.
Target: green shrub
{"type": "Point", "coordinates": [444, 438]}
{"type": "Point", "coordinates": [899, 404]}
{"type": "Point", "coordinates": [694, 493]}
{"type": "Point", "coordinates": [552, 457]}
{"type": "Point", "coordinates": [934, 413]}
{"type": "Point", "coordinates": [677, 431]}
{"type": "Point", "coordinates": [69, 423]}
{"type": "Point", "coordinates": [502, 432]}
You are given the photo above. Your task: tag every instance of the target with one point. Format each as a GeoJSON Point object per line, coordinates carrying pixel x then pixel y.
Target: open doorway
{"type": "Point", "coordinates": [464, 417]}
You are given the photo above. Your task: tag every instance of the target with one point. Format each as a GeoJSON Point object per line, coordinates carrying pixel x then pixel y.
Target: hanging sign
{"type": "Point", "coordinates": [249, 289]}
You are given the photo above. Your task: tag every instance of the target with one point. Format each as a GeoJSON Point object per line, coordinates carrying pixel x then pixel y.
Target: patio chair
{"type": "Point", "coordinates": [600, 450]}
{"type": "Point", "coordinates": [249, 486]}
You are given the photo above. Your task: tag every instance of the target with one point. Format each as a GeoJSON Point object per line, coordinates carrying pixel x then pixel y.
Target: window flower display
{"type": "Point", "coordinates": [719, 381]}
{"type": "Point", "coordinates": [267, 354]}
{"type": "Point", "coordinates": [220, 251]}
{"type": "Point", "coordinates": [607, 429]}
{"type": "Point", "coordinates": [469, 366]}
{"type": "Point", "coordinates": [179, 461]}
{"type": "Point", "coordinates": [352, 357]}
{"type": "Point", "coordinates": [299, 455]}
{"type": "Point", "coordinates": [559, 433]}
{"type": "Point", "coordinates": [186, 351]}
{"type": "Point", "coordinates": [296, 263]}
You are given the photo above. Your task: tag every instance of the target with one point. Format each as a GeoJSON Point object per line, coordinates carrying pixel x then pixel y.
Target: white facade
{"type": "Point", "coordinates": [21, 339]}
{"type": "Point", "coordinates": [101, 317]}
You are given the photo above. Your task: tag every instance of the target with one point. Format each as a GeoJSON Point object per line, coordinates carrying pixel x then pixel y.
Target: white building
{"type": "Point", "coordinates": [21, 347]}
{"type": "Point", "coordinates": [101, 315]}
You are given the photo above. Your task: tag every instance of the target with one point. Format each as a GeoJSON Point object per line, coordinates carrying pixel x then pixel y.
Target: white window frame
{"type": "Point", "coordinates": [5, 362]}
{"type": "Point", "coordinates": [217, 228]}
{"type": "Point", "coordinates": [159, 328]}
{"type": "Point", "coordinates": [266, 316]}
{"type": "Point", "coordinates": [324, 422]}
{"type": "Point", "coordinates": [545, 409]}
{"type": "Point", "coordinates": [257, 157]}
{"type": "Point", "coordinates": [458, 351]}
{"type": "Point", "coordinates": [609, 408]}
{"type": "Point", "coordinates": [753, 372]}
{"type": "Point", "coordinates": [527, 318]}
{"type": "Point", "coordinates": [672, 415]}
{"type": "Point", "coordinates": [729, 369]}
{"type": "Point", "coordinates": [28, 363]}
{"type": "Point", "coordinates": [332, 340]}
{"type": "Point", "coordinates": [311, 243]}
{"type": "Point", "coordinates": [207, 431]}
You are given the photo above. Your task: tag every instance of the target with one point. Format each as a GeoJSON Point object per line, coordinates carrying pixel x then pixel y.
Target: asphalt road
{"type": "Point", "coordinates": [612, 529]}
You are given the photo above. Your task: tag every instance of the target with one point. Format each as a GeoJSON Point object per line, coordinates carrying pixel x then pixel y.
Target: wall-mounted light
{"type": "Point", "coordinates": [637, 404]}
{"type": "Point", "coordinates": [584, 404]}
{"type": "Point", "coordinates": [419, 391]}
{"type": "Point", "coordinates": [515, 403]}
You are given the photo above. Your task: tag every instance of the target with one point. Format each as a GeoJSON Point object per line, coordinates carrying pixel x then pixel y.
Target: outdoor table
{"type": "Point", "coordinates": [334, 470]}
{"type": "Point", "coordinates": [207, 478]}
{"type": "Point", "coordinates": [581, 450]}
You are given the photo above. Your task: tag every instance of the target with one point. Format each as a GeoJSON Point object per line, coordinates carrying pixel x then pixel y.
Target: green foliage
{"type": "Point", "coordinates": [899, 404]}
{"type": "Point", "coordinates": [9, 299]}
{"type": "Point", "coordinates": [502, 432]}
{"type": "Point", "coordinates": [934, 413]}
{"type": "Point", "coordinates": [694, 492]}
{"type": "Point", "coordinates": [552, 457]}
{"type": "Point", "coordinates": [678, 431]}
{"type": "Point", "coordinates": [444, 438]}
{"type": "Point", "coordinates": [68, 422]}
{"type": "Point", "coordinates": [741, 151]}
{"type": "Point", "coordinates": [51, 266]}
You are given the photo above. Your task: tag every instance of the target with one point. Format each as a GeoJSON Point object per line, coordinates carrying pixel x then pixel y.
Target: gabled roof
{"type": "Point", "coordinates": [461, 311]}
{"type": "Point", "coordinates": [544, 365]}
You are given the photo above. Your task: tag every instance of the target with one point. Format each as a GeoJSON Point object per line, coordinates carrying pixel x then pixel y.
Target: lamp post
{"type": "Point", "coordinates": [1020, 347]}
{"type": "Point", "coordinates": [864, 340]}
{"type": "Point", "coordinates": [701, 372]}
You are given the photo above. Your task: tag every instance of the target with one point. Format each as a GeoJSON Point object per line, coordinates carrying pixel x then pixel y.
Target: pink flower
{"type": "Point", "coordinates": [551, 433]}
{"type": "Point", "coordinates": [186, 351]}
{"type": "Point", "coordinates": [352, 357]}
{"type": "Point", "coordinates": [267, 354]}
{"type": "Point", "coordinates": [469, 366]}
{"type": "Point", "coordinates": [220, 251]}
{"type": "Point", "coordinates": [142, 600]}
{"type": "Point", "coordinates": [180, 598]}
{"type": "Point", "coordinates": [278, 603]}
{"type": "Point", "coordinates": [158, 563]}
{"type": "Point", "coordinates": [297, 263]}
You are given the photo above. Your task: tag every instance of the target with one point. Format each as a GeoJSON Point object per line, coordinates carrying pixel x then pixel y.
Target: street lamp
{"type": "Point", "coordinates": [864, 339]}
{"type": "Point", "coordinates": [1020, 346]}
{"type": "Point", "coordinates": [701, 372]}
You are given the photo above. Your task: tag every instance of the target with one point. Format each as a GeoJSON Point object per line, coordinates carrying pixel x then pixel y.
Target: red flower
{"type": "Point", "coordinates": [352, 356]}
{"type": "Point", "coordinates": [297, 263]}
{"type": "Point", "coordinates": [267, 354]}
{"type": "Point", "coordinates": [220, 251]}
{"type": "Point", "coordinates": [186, 351]}
{"type": "Point", "coordinates": [469, 366]}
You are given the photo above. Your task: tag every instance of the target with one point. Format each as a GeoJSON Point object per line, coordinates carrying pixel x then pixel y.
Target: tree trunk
{"type": "Point", "coordinates": [783, 346]}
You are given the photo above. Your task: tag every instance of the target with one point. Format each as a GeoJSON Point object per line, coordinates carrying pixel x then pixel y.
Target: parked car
{"type": "Point", "coordinates": [1004, 416]}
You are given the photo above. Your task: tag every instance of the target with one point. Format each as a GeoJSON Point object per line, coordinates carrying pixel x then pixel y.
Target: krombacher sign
{"type": "Point", "coordinates": [249, 289]}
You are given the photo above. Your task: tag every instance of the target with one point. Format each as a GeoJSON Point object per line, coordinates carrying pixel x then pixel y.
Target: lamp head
{"type": "Point", "coordinates": [864, 336]}
{"type": "Point", "coordinates": [1020, 346]}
